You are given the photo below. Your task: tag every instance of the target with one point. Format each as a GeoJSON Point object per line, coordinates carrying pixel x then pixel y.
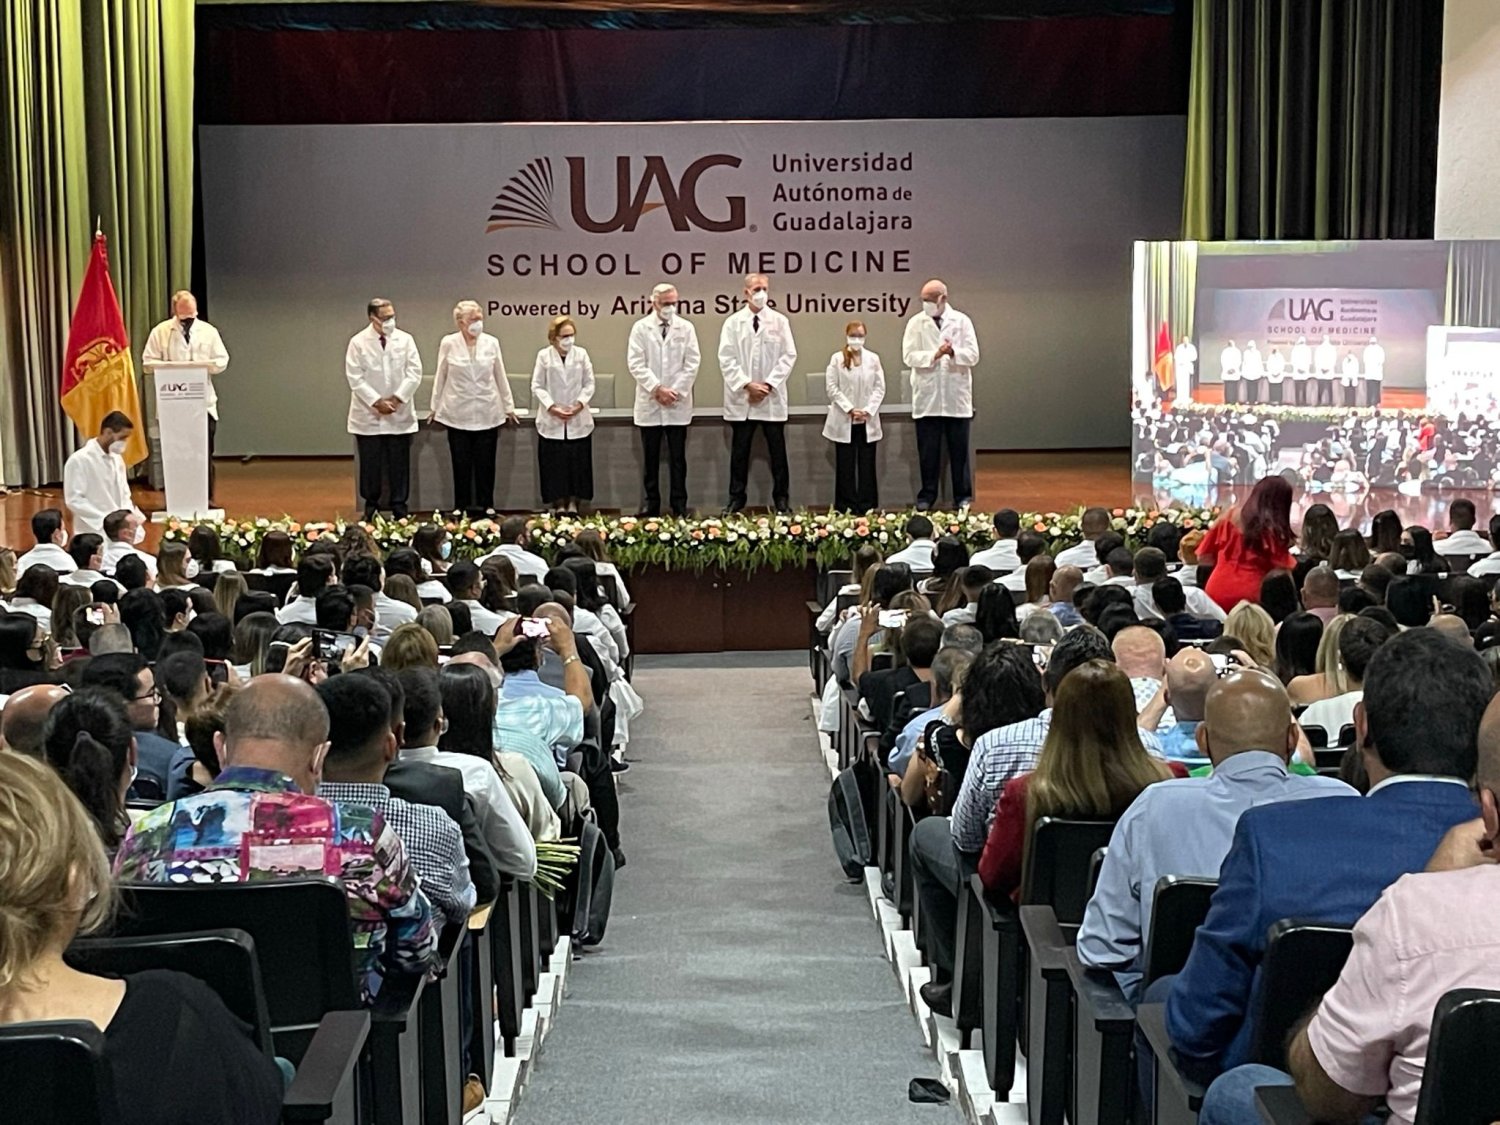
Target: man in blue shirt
{"type": "Point", "coordinates": [532, 707]}
{"type": "Point", "coordinates": [1184, 827]}
{"type": "Point", "coordinates": [1190, 676]}
{"type": "Point", "coordinates": [1330, 859]}
{"type": "Point", "coordinates": [948, 670]}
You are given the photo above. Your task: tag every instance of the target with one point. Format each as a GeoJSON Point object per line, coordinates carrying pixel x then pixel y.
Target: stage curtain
{"type": "Point", "coordinates": [1312, 119]}
{"type": "Point", "coordinates": [1473, 284]}
{"type": "Point", "coordinates": [1171, 280]}
{"type": "Point", "coordinates": [98, 100]}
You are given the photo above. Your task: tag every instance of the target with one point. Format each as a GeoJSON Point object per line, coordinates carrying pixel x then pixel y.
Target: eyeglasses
{"type": "Point", "coordinates": [152, 696]}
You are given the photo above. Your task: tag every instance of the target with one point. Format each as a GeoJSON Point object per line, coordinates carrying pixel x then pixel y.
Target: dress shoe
{"type": "Point", "coordinates": [923, 506]}
{"type": "Point", "coordinates": [619, 858]}
{"type": "Point", "coordinates": [473, 1094]}
{"type": "Point", "coordinates": [647, 514]}
{"type": "Point", "coordinates": [733, 509]}
{"type": "Point", "coordinates": [370, 514]}
{"type": "Point", "coordinates": [619, 765]}
{"type": "Point", "coordinates": [399, 513]}
{"type": "Point", "coordinates": [783, 508]}
{"type": "Point", "coordinates": [938, 997]}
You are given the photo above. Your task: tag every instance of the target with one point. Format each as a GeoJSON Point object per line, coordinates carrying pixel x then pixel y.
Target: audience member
{"type": "Point", "coordinates": [466, 584]}
{"type": "Point", "coordinates": [528, 705]}
{"type": "Point", "coordinates": [1278, 596]}
{"type": "Point", "coordinates": [1461, 539]}
{"type": "Point", "coordinates": [1255, 631]}
{"type": "Point", "coordinates": [1029, 545]}
{"type": "Point", "coordinates": [1169, 600]}
{"type": "Point", "coordinates": [1320, 593]}
{"type": "Point", "coordinates": [1183, 696]}
{"type": "Point", "coordinates": [88, 740]}
{"type": "Point", "coordinates": [173, 564]}
{"type": "Point", "coordinates": [24, 717]}
{"type": "Point", "coordinates": [1248, 542]}
{"type": "Point", "coordinates": [207, 554]}
{"type": "Point", "coordinates": [314, 573]}
{"type": "Point", "coordinates": [131, 574]}
{"type": "Point", "coordinates": [916, 647]}
{"type": "Point", "coordinates": [1142, 656]}
{"type": "Point", "coordinates": [439, 624]}
{"type": "Point", "coordinates": [409, 646]}
{"type": "Point", "coordinates": [1094, 523]}
{"type": "Point", "coordinates": [1330, 678]}
{"type": "Point", "coordinates": [1410, 602]}
{"type": "Point", "coordinates": [1065, 583]}
{"type": "Point", "coordinates": [122, 531]}
{"type": "Point", "coordinates": [1349, 554]}
{"type": "Point", "coordinates": [1358, 642]}
{"type": "Point", "coordinates": [1453, 627]}
{"type": "Point", "coordinates": [1297, 644]}
{"type": "Point", "coordinates": [973, 582]}
{"type": "Point", "coordinates": [995, 614]}
{"type": "Point", "coordinates": [1315, 539]}
{"type": "Point", "coordinates": [27, 654]}
{"type": "Point", "coordinates": [1150, 567]}
{"type": "Point", "coordinates": [1041, 629]}
{"type": "Point", "coordinates": [917, 554]}
{"type": "Point", "coordinates": [515, 538]}
{"type": "Point", "coordinates": [51, 536]}
{"type": "Point", "coordinates": [1470, 599]}
{"type": "Point", "coordinates": [1487, 567]}
{"type": "Point", "coordinates": [130, 677]}
{"type": "Point", "coordinates": [949, 667]}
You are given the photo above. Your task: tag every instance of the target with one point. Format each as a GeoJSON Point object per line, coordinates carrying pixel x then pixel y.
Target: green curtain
{"type": "Point", "coordinates": [98, 104]}
{"type": "Point", "coordinates": [1473, 299]}
{"type": "Point", "coordinates": [1312, 119]}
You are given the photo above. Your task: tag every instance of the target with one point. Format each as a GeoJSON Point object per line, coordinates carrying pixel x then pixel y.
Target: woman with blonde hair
{"type": "Point", "coordinates": [1091, 767]}
{"type": "Point", "coordinates": [172, 565]}
{"type": "Point", "coordinates": [1252, 626]}
{"type": "Point", "coordinates": [1330, 679]}
{"type": "Point", "coordinates": [471, 399]}
{"type": "Point", "coordinates": [439, 622]}
{"type": "Point", "coordinates": [855, 382]}
{"type": "Point", "coordinates": [562, 384]}
{"type": "Point", "coordinates": [409, 646]}
{"type": "Point", "coordinates": [227, 592]}
{"type": "Point", "coordinates": [55, 884]}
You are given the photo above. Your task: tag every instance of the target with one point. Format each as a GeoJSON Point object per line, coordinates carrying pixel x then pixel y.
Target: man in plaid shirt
{"type": "Point", "coordinates": [261, 820]}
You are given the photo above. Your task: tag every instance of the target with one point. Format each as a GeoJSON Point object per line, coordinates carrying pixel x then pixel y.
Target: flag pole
{"type": "Point", "coordinates": [98, 226]}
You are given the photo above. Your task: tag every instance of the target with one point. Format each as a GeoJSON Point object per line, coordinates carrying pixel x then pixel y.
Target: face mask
{"type": "Point", "coordinates": [930, 308]}
{"type": "Point", "coordinates": [388, 325]}
{"type": "Point", "coordinates": [476, 327]}
{"type": "Point", "coordinates": [565, 344]}
{"type": "Point", "coordinates": [191, 570]}
{"type": "Point", "coordinates": [138, 536]}
{"type": "Point", "coordinates": [758, 299]}
{"type": "Point", "coordinates": [855, 342]}
{"type": "Point", "coordinates": [667, 312]}
{"type": "Point", "coordinates": [445, 550]}
{"type": "Point", "coordinates": [117, 447]}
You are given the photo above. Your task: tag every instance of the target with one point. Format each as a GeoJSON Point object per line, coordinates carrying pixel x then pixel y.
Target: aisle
{"type": "Point", "coordinates": [741, 979]}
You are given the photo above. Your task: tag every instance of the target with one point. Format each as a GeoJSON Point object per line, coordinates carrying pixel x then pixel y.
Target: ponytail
{"type": "Point", "coordinates": [90, 771]}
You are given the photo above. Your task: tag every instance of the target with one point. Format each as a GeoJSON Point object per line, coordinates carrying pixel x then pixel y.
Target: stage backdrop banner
{"type": "Point", "coordinates": [1274, 318]}
{"type": "Point", "coordinates": [1030, 222]}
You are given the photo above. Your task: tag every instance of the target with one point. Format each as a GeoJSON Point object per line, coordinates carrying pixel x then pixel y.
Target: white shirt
{"type": "Point", "coordinates": [299, 611]}
{"type": "Point", "coordinates": [1081, 555]}
{"type": "Point", "coordinates": [1185, 359]}
{"type": "Point", "coordinates": [374, 373]}
{"type": "Point", "coordinates": [42, 613]}
{"type": "Point", "coordinates": [469, 389]}
{"type": "Point", "coordinates": [556, 381]}
{"type": "Point", "coordinates": [1015, 582]}
{"type": "Point", "coordinates": [1301, 359]}
{"type": "Point", "coordinates": [487, 621]}
{"type": "Point", "coordinates": [203, 344]}
{"type": "Point", "coordinates": [94, 485]}
{"type": "Point", "coordinates": [858, 387]}
{"type": "Point", "coordinates": [1374, 361]}
{"type": "Point", "coordinates": [1333, 715]}
{"type": "Point", "coordinates": [501, 822]}
{"type": "Point", "coordinates": [432, 589]}
{"type": "Point", "coordinates": [390, 613]}
{"type": "Point", "coordinates": [1276, 367]}
{"type": "Point", "coordinates": [1326, 357]}
{"type": "Point", "coordinates": [656, 362]}
{"type": "Point", "coordinates": [1000, 556]}
{"type": "Point", "coordinates": [115, 550]}
{"type": "Point", "coordinates": [1350, 369]}
{"type": "Point", "coordinates": [1229, 363]}
{"type": "Point", "coordinates": [525, 564]}
{"type": "Point", "coordinates": [46, 554]}
{"type": "Point", "coordinates": [84, 578]}
{"type": "Point", "coordinates": [1254, 367]}
{"type": "Point", "coordinates": [945, 388]}
{"type": "Point", "coordinates": [1199, 604]}
{"type": "Point", "coordinates": [1468, 542]}
{"type": "Point", "coordinates": [917, 554]}
{"type": "Point", "coordinates": [747, 356]}
{"type": "Point", "coordinates": [1486, 566]}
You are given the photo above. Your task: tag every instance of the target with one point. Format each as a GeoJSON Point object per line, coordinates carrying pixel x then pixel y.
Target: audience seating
{"type": "Point", "coordinates": [278, 585]}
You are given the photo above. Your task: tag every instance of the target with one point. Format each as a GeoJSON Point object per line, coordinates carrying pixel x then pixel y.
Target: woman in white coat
{"type": "Point", "coordinates": [562, 383]}
{"type": "Point", "coordinates": [856, 388]}
{"type": "Point", "coordinates": [471, 398]}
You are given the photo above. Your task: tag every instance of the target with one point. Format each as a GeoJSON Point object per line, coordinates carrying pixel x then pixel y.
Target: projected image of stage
{"type": "Point", "coordinates": [1367, 374]}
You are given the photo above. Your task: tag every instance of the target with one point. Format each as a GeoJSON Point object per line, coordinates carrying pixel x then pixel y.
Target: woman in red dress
{"type": "Point", "coordinates": [1249, 542]}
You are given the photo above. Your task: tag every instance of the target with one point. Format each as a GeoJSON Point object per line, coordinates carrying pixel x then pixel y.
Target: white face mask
{"type": "Point", "coordinates": [667, 312]}
{"type": "Point", "coordinates": [117, 447]}
{"type": "Point", "coordinates": [475, 327]}
{"type": "Point", "coordinates": [930, 308]}
{"type": "Point", "coordinates": [855, 342]}
{"type": "Point", "coordinates": [138, 536]}
{"type": "Point", "coordinates": [758, 299]}
{"type": "Point", "coordinates": [191, 570]}
{"type": "Point", "coordinates": [388, 325]}
{"type": "Point", "coordinates": [565, 344]}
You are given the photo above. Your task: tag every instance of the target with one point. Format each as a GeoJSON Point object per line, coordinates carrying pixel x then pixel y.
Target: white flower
{"type": "Point", "coordinates": [665, 536]}
{"type": "Point", "coordinates": [732, 537]}
{"type": "Point", "coordinates": [885, 537]}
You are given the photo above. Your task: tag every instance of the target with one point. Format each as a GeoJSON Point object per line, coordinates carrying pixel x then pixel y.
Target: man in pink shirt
{"type": "Point", "coordinates": [1428, 934]}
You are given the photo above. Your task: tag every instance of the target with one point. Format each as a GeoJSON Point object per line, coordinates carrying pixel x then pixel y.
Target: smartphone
{"type": "Point", "coordinates": [893, 618]}
{"type": "Point", "coordinates": [218, 672]}
{"type": "Point", "coordinates": [1222, 664]}
{"type": "Point", "coordinates": [534, 627]}
{"type": "Point", "coordinates": [1040, 654]}
{"type": "Point", "coordinates": [331, 646]}
{"type": "Point", "coordinates": [94, 615]}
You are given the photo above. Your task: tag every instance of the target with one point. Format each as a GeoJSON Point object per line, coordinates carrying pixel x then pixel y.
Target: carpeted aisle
{"type": "Point", "coordinates": [741, 979]}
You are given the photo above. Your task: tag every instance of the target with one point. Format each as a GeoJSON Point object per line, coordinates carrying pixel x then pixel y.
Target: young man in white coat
{"type": "Point", "coordinates": [940, 351]}
{"type": "Point", "coordinates": [384, 371]}
{"type": "Point", "coordinates": [756, 354]}
{"type": "Point", "coordinates": [663, 360]}
{"type": "Point", "coordinates": [186, 337]}
{"type": "Point", "coordinates": [94, 483]}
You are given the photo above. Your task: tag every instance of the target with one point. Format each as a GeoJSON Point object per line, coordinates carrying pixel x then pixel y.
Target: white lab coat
{"type": "Point", "coordinates": [1185, 358]}
{"type": "Point", "coordinates": [562, 382]}
{"type": "Point", "coordinates": [373, 373]}
{"type": "Point", "coordinates": [860, 387]}
{"type": "Point", "coordinates": [1276, 367]}
{"type": "Point", "coordinates": [1301, 359]}
{"type": "Point", "coordinates": [747, 356]}
{"type": "Point", "coordinates": [1251, 364]}
{"type": "Point", "coordinates": [656, 362]}
{"type": "Point", "coordinates": [1327, 358]}
{"type": "Point", "coordinates": [945, 388]}
{"type": "Point", "coordinates": [469, 389]}
{"type": "Point", "coordinates": [94, 485]}
{"type": "Point", "coordinates": [203, 345]}
{"type": "Point", "coordinates": [1374, 361]}
{"type": "Point", "coordinates": [115, 550]}
{"type": "Point", "coordinates": [1229, 364]}
{"type": "Point", "coordinates": [46, 554]}
{"type": "Point", "coordinates": [1350, 370]}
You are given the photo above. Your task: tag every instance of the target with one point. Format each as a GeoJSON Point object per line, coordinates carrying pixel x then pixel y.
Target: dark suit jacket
{"type": "Point", "coordinates": [423, 783]}
{"type": "Point", "coordinates": [880, 687]}
{"type": "Point", "coordinates": [1325, 860]}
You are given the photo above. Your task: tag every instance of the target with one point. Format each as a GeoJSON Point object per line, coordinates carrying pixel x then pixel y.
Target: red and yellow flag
{"type": "Point", "coordinates": [1164, 364]}
{"type": "Point", "coordinates": [98, 373]}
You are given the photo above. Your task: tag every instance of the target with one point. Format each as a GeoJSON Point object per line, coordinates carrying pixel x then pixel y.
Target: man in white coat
{"type": "Point", "coordinates": [1303, 393]}
{"type": "Point", "coordinates": [1326, 359]}
{"type": "Point", "coordinates": [756, 354]}
{"type": "Point", "coordinates": [384, 371]}
{"type": "Point", "coordinates": [940, 351]}
{"type": "Point", "coordinates": [1185, 360]}
{"type": "Point", "coordinates": [94, 483]}
{"type": "Point", "coordinates": [1374, 371]}
{"type": "Point", "coordinates": [1229, 372]}
{"type": "Point", "coordinates": [186, 337]}
{"type": "Point", "coordinates": [662, 356]}
{"type": "Point", "coordinates": [1252, 371]}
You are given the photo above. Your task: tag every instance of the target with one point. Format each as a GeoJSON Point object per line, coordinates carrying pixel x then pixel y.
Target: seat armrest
{"type": "Point", "coordinates": [1049, 949]}
{"type": "Point", "coordinates": [450, 947]}
{"type": "Point", "coordinates": [1100, 1000]}
{"type": "Point", "coordinates": [1152, 1020]}
{"type": "Point", "coordinates": [327, 1067]}
{"type": "Point", "coordinates": [814, 608]}
{"type": "Point", "coordinates": [1000, 912]}
{"type": "Point", "coordinates": [397, 1003]}
{"type": "Point", "coordinates": [1280, 1105]}
{"type": "Point", "coordinates": [480, 919]}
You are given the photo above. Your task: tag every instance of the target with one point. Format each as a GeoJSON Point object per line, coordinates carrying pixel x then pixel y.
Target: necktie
{"type": "Point", "coordinates": [187, 333]}
{"type": "Point", "coordinates": [938, 321]}
{"type": "Point", "coordinates": [755, 323]}
{"type": "Point", "coordinates": [663, 331]}
{"type": "Point", "coordinates": [382, 343]}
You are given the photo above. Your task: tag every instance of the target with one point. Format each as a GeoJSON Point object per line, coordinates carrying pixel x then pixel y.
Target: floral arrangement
{"type": "Point", "coordinates": [1329, 415]}
{"type": "Point", "coordinates": [738, 542]}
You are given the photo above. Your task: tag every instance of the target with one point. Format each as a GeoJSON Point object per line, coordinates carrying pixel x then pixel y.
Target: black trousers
{"type": "Point", "coordinates": [676, 439]}
{"type": "Point", "coordinates": [384, 460]}
{"type": "Point", "coordinates": [743, 433]}
{"type": "Point", "coordinates": [932, 435]}
{"type": "Point", "coordinates": [473, 455]}
{"type": "Point", "coordinates": [213, 432]}
{"type": "Point", "coordinates": [854, 487]}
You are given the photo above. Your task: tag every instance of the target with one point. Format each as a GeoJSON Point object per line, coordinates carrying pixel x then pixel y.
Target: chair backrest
{"type": "Point", "coordinates": [1458, 1083]}
{"type": "Point", "coordinates": [611, 588]}
{"type": "Point", "coordinates": [301, 932]}
{"type": "Point", "coordinates": [222, 959]}
{"type": "Point", "coordinates": [275, 584]}
{"type": "Point", "coordinates": [1096, 865]}
{"type": "Point", "coordinates": [54, 1071]}
{"type": "Point", "coordinates": [1346, 736]}
{"type": "Point", "coordinates": [1303, 960]}
{"type": "Point", "coordinates": [1317, 737]}
{"type": "Point", "coordinates": [1177, 910]}
{"type": "Point", "coordinates": [1059, 862]}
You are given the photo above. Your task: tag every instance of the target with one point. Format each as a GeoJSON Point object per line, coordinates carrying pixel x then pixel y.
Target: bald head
{"type": "Point", "coordinates": [1190, 675]}
{"type": "Point", "coordinates": [1320, 589]}
{"type": "Point", "coordinates": [1065, 583]}
{"type": "Point", "coordinates": [276, 722]}
{"type": "Point", "coordinates": [1453, 627]}
{"type": "Point", "coordinates": [1140, 652]}
{"type": "Point", "coordinates": [26, 714]}
{"type": "Point", "coordinates": [1248, 710]}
